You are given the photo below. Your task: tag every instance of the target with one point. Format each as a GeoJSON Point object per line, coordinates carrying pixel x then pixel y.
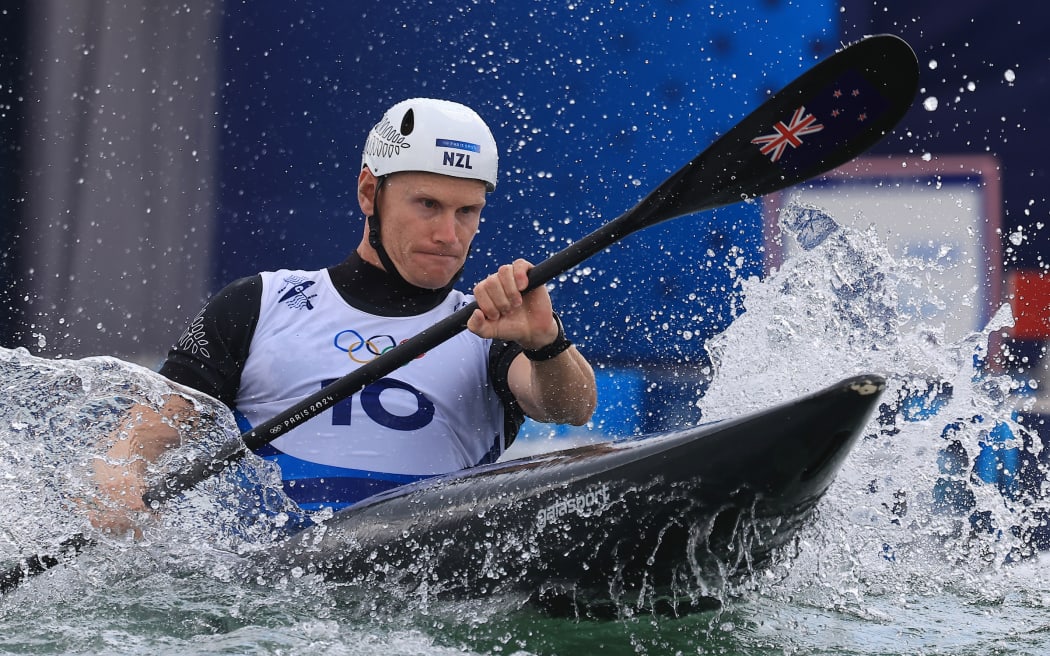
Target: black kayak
{"type": "Point", "coordinates": [645, 522]}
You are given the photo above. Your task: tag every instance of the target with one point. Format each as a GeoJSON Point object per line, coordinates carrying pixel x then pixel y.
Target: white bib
{"type": "Point", "coordinates": [437, 414]}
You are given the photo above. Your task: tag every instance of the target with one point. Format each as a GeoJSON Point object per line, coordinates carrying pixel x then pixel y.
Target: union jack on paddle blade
{"type": "Point", "coordinates": [791, 134]}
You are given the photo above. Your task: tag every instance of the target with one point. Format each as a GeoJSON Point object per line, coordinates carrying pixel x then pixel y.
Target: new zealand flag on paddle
{"type": "Point", "coordinates": [829, 118]}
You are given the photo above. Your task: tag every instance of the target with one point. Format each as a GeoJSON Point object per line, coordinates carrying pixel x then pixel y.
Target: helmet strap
{"type": "Point", "coordinates": [376, 242]}
{"type": "Point", "coordinates": [374, 239]}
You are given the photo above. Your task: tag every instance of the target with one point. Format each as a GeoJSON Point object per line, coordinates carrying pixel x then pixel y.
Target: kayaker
{"type": "Point", "coordinates": [269, 340]}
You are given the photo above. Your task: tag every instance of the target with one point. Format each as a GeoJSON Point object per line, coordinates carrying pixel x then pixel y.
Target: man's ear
{"type": "Point", "coordinates": [366, 191]}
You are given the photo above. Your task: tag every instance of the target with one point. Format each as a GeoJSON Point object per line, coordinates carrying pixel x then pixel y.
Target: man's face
{"type": "Point", "coordinates": [428, 221]}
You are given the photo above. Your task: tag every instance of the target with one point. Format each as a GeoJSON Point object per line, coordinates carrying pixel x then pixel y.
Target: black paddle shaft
{"type": "Point", "coordinates": [825, 118]}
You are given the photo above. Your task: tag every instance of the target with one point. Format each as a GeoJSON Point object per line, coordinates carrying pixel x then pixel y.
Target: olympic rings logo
{"type": "Point", "coordinates": [361, 350]}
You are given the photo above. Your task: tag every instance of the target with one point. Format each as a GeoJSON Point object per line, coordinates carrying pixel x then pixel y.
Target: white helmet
{"type": "Point", "coordinates": [438, 136]}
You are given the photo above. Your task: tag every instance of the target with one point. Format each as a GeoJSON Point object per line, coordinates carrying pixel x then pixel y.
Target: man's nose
{"type": "Point", "coordinates": [445, 228]}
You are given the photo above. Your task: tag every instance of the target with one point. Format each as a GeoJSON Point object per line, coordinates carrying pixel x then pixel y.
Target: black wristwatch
{"type": "Point", "coordinates": [552, 350]}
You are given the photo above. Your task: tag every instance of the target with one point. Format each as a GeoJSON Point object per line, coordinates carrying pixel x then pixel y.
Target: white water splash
{"type": "Point", "coordinates": [913, 510]}
{"type": "Point", "coordinates": [54, 420]}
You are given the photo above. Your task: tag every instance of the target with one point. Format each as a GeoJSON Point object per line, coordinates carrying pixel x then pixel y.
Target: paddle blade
{"type": "Point", "coordinates": [831, 114]}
